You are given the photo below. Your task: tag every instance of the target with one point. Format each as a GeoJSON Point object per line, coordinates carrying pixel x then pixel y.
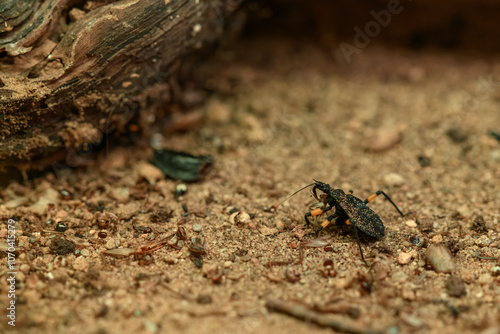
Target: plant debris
{"type": "Point", "coordinates": [182, 166]}
{"type": "Point", "coordinates": [301, 312]}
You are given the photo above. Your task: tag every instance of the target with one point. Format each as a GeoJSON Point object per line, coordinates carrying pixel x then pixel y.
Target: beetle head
{"type": "Point", "coordinates": [324, 187]}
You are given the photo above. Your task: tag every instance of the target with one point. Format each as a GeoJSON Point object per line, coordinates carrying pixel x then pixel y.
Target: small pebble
{"type": "Point", "coordinates": [455, 287]}
{"type": "Point", "coordinates": [150, 326]}
{"type": "Point", "coordinates": [437, 239]}
{"type": "Point", "coordinates": [394, 180]}
{"type": "Point", "coordinates": [65, 194]}
{"type": "Point", "coordinates": [85, 252]}
{"type": "Point", "coordinates": [204, 299]}
{"type": "Point", "coordinates": [383, 140]}
{"type": "Point", "coordinates": [328, 248]}
{"type": "Point", "coordinates": [439, 257]}
{"type": "Point", "coordinates": [25, 268]}
{"type": "Point", "coordinates": [243, 217]}
{"type": "Point", "coordinates": [424, 161]}
{"type": "Point", "coordinates": [404, 258]}
{"type": "Point", "coordinates": [495, 155]}
{"type": "Point", "coordinates": [231, 209]}
{"type": "Point", "coordinates": [411, 223]}
{"type": "Point", "coordinates": [412, 320]}
{"type": "Point", "coordinates": [197, 227]}
{"type": "Point", "coordinates": [198, 261]}
{"type": "Point", "coordinates": [457, 134]}
{"type": "Point", "coordinates": [483, 241]}
{"type": "Point", "coordinates": [61, 227]}
{"type": "Point", "coordinates": [417, 241]}
{"type": "Point", "coordinates": [495, 270]}
{"type": "Point", "coordinates": [180, 189]}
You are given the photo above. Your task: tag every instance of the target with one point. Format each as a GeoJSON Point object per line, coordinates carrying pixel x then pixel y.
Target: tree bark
{"type": "Point", "coordinates": [70, 69]}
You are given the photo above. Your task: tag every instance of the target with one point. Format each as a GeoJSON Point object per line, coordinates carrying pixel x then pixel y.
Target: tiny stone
{"type": "Point", "coordinates": [25, 268]}
{"type": "Point", "coordinates": [150, 326]}
{"type": "Point", "coordinates": [439, 257]}
{"type": "Point", "coordinates": [411, 223]}
{"type": "Point", "coordinates": [112, 243]}
{"type": "Point", "coordinates": [180, 189]}
{"type": "Point", "coordinates": [495, 155]}
{"type": "Point", "coordinates": [412, 320]}
{"type": "Point", "coordinates": [65, 194]}
{"type": "Point", "coordinates": [457, 134]}
{"type": "Point", "coordinates": [228, 264]}
{"type": "Point", "coordinates": [231, 210]}
{"type": "Point", "coordinates": [483, 241]}
{"type": "Point", "coordinates": [455, 287]}
{"type": "Point", "coordinates": [197, 227]}
{"type": "Point", "coordinates": [404, 258]}
{"type": "Point", "coordinates": [394, 180]}
{"type": "Point", "coordinates": [353, 312]}
{"type": "Point", "coordinates": [495, 270]}
{"type": "Point", "coordinates": [198, 262]}
{"type": "Point", "coordinates": [424, 161]}
{"type": "Point", "coordinates": [20, 277]}
{"type": "Point", "coordinates": [417, 241]}
{"type": "Point", "coordinates": [60, 227]}
{"type": "Point", "coordinates": [204, 299]}
{"type": "Point", "coordinates": [243, 217]}
{"type": "Point", "coordinates": [437, 239]}
{"type": "Point", "coordinates": [85, 252]}
{"type": "Point", "coordinates": [383, 140]}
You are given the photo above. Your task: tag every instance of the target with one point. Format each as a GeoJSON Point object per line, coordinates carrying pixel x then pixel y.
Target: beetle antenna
{"type": "Point", "coordinates": [295, 193]}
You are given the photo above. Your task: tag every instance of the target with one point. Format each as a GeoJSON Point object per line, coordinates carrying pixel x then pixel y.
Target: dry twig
{"type": "Point", "coordinates": [303, 313]}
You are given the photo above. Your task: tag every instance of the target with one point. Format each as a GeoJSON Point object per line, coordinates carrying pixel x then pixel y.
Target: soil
{"type": "Point", "coordinates": [284, 112]}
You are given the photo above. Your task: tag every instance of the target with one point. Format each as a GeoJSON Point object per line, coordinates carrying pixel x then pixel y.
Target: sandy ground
{"type": "Point", "coordinates": [282, 114]}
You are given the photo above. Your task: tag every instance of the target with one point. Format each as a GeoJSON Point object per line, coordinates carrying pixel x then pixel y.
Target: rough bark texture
{"type": "Point", "coordinates": [71, 69]}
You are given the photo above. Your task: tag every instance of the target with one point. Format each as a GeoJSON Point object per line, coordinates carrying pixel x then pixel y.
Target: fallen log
{"type": "Point", "coordinates": [70, 69]}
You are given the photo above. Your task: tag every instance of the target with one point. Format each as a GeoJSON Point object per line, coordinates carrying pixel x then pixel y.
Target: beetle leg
{"type": "Point", "coordinates": [380, 192]}
{"type": "Point", "coordinates": [326, 222]}
{"type": "Point", "coordinates": [348, 222]}
{"type": "Point", "coordinates": [316, 212]}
